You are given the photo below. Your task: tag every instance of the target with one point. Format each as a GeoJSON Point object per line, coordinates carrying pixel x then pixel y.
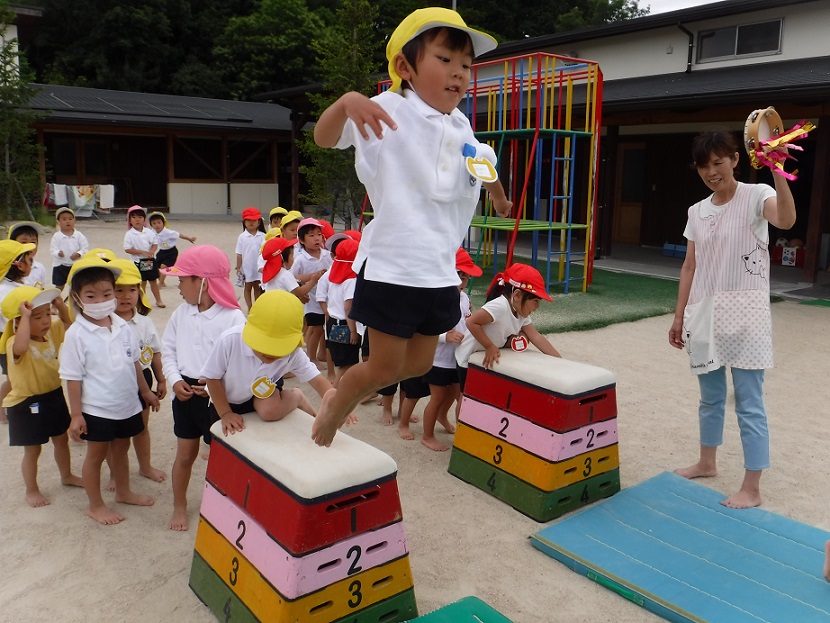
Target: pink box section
{"type": "Point", "coordinates": [542, 442]}
{"type": "Point", "coordinates": [294, 576]}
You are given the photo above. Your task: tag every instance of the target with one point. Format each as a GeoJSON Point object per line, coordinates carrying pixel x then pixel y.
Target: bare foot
{"type": "Point", "coordinates": [827, 561]}
{"type": "Point", "coordinates": [305, 405]}
{"type": "Point", "coordinates": [134, 498]}
{"type": "Point", "coordinates": [153, 474]}
{"type": "Point", "coordinates": [405, 433]}
{"type": "Point", "coordinates": [206, 453]}
{"type": "Point", "coordinates": [433, 444]}
{"type": "Point", "coordinates": [104, 515]}
{"type": "Point", "coordinates": [386, 418]}
{"type": "Point", "coordinates": [368, 398]}
{"type": "Point", "coordinates": [72, 481]}
{"type": "Point", "coordinates": [160, 304]}
{"type": "Point", "coordinates": [443, 421]}
{"type": "Point", "coordinates": [178, 521]}
{"type": "Point", "coordinates": [697, 471]}
{"type": "Point", "coordinates": [414, 419]}
{"type": "Point", "coordinates": [325, 425]}
{"type": "Point", "coordinates": [36, 499]}
{"type": "Point", "coordinates": [111, 484]}
{"type": "Point", "coordinates": [743, 499]}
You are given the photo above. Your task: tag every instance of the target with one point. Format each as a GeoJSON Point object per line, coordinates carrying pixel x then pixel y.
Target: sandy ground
{"type": "Point", "coordinates": [61, 566]}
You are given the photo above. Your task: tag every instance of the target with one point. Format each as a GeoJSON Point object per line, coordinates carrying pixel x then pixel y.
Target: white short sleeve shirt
{"type": "Point", "coordinates": [503, 326]}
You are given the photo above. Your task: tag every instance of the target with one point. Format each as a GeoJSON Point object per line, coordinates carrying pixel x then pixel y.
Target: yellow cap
{"type": "Point", "coordinates": [10, 250]}
{"type": "Point", "coordinates": [153, 214]}
{"type": "Point", "coordinates": [91, 262]}
{"type": "Point", "coordinates": [277, 210]}
{"type": "Point", "coordinates": [424, 19]}
{"type": "Point", "coordinates": [290, 217]}
{"type": "Point", "coordinates": [101, 254]}
{"type": "Point", "coordinates": [274, 232]}
{"type": "Point", "coordinates": [130, 276]}
{"type": "Point", "coordinates": [60, 211]}
{"type": "Point", "coordinates": [275, 324]}
{"type": "Point", "coordinates": [10, 307]}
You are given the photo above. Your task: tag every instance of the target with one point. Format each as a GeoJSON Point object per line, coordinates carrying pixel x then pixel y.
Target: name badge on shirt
{"type": "Point", "coordinates": [263, 387]}
{"type": "Point", "coordinates": [146, 355]}
{"type": "Point", "coordinates": [480, 168]}
{"type": "Point", "coordinates": [518, 343]}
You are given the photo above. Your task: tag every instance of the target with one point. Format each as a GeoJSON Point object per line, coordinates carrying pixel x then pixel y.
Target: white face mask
{"type": "Point", "coordinates": [99, 311]}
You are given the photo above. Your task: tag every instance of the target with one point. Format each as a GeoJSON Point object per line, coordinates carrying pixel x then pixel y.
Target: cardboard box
{"type": "Point", "coordinates": [787, 256]}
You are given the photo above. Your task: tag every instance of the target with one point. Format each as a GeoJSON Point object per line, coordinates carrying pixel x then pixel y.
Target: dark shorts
{"type": "Point", "coordinates": [342, 354]}
{"type": "Point", "coordinates": [103, 429]}
{"type": "Point", "coordinates": [412, 388]}
{"type": "Point", "coordinates": [167, 257]}
{"type": "Point", "coordinates": [4, 364]}
{"type": "Point", "coordinates": [462, 376]}
{"type": "Point", "coordinates": [152, 273]}
{"type": "Point", "coordinates": [148, 376]}
{"type": "Point", "coordinates": [60, 274]}
{"type": "Point", "coordinates": [36, 419]}
{"type": "Point", "coordinates": [315, 320]}
{"type": "Point", "coordinates": [443, 377]}
{"type": "Point", "coordinates": [364, 346]}
{"type": "Point", "coordinates": [403, 310]}
{"type": "Point", "coordinates": [193, 418]}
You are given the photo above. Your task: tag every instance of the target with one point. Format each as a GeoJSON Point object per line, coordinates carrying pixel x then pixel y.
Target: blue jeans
{"type": "Point", "coordinates": [749, 407]}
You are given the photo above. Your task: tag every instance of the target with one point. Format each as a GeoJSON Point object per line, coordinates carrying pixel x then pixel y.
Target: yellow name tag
{"type": "Point", "coordinates": [482, 169]}
{"type": "Point", "coordinates": [263, 387]}
{"type": "Point", "coordinates": [146, 355]}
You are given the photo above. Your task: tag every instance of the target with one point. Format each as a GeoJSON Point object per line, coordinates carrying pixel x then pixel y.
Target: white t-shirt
{"type": "Point", "coordinates": [339, 293]}
{"type": "Point", "coordinates": [37, 276]}
{"type": "Point", "coordinates": [148, 338]}
{"type": "Point", "coordinates": [445, 351]}
{"type": "Point", "coordinates": [142, 240]}
{"type": "Point", "coordinates": [189, 337]}
{"type": "Point", "coordinates": [76, 243]}
{"type": "Point", "coordinates": [322, 294]}
{"type": "Point", "coordinates": [6, 286]}
{"type": "Point", "coordinates": [503, 326]}
{"type": "Point", "coordinates": [167, 238]}
{"type": "Point", "coordinates": [283, 280]}
{"type": "Point", "coordinates": [103, 359]}
{"type": "Point", "coordinates": [418, 183]}
{"type": "Point", "coordinates": [240, 370]}
{"type": "Point", "coordinates": [249, 246]}
{"type": "Point", "coordinates": [305, 263]}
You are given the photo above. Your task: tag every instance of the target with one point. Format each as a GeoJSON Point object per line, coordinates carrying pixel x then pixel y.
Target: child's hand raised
{"type": "Point", "coordinates": [363, 112]}
{"type": "Point", "coordinates": [25, 309]}
{"type": "Point", "coordinates": [232, 423]}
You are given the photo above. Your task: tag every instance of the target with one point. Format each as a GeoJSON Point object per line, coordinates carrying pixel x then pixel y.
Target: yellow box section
{"type": "Point", "coordinates": [328, 604]}
{"type": "Point", "coordinates": [533, 470]}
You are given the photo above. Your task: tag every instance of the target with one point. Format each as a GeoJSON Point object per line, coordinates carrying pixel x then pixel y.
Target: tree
{"type": "Point", "coordinates": [344, 55]}
{"type": "Point", "coordinates": [20, 175]}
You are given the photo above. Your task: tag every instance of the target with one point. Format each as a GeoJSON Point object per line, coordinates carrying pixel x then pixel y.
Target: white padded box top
{"type": "Point", "coordinates": [552, 373]}
{"type": "Point", "coordinates": [285, 451]}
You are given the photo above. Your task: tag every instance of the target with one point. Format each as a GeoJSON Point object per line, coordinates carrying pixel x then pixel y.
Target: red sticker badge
{"type": "Point", "coordinates": [519, 343]}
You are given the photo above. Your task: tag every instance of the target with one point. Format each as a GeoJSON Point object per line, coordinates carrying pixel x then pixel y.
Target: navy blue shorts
{"type": "Point", "coordinates": [103, 429]}
{"type": "Point", "coordinates": [36, 419]}
{"type": "Point", "coordinates": [443, 377]}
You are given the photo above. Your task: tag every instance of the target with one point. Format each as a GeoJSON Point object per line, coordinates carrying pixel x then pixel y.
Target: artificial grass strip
{"type": "Point", "coordinates": [817, 303]}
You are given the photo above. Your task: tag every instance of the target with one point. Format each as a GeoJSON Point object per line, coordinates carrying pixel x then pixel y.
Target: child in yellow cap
{"type": "Point", "coordinates": [421, 164]}
{"type": "Point", "coordinates": [35, 405]}
{"type": "Point", "coordinates": [245, 368]}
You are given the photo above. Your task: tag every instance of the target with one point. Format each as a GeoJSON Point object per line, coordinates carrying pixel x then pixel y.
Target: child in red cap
{"type": "Point", "coordinates": [420, 162]}
{"type": "Point", "coordinates": [504, 320]}
{"type": "Point", "coordinates": [248, 247]}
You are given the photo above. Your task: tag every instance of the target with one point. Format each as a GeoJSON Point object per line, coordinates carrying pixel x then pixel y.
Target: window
{"type": "Point", "coordinates": [736, 41]}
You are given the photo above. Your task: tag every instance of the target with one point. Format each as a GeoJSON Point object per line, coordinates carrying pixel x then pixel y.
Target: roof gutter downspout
{"type": "Point", "coordinates": [691, 46]}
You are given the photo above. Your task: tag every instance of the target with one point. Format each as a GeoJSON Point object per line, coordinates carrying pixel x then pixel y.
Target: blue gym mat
{"type": "Point", "coordinates": [668, 545]}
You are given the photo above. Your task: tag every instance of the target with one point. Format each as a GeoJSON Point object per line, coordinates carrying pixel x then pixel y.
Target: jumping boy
{"type": "Point", "coordinates": [419, 171]}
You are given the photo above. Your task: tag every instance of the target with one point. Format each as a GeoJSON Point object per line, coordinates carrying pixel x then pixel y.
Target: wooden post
{"type": "Point", "coordinates": [819, 199]}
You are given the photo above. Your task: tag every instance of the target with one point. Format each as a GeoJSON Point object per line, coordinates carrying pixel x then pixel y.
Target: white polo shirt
{"type": "Point", "coordinates": [37, 276]}
{"type": "Point", "coordinates": [167, 238]}
{"type": "Point", "coordinates": [249, 246]}
{"type": "Point", "coordinates": [322, 289]}
{"type": "Point", "coordinates": [234, 363]}
{"type": "Point", "coordinates": [339, 293]}
{"type": "Point", "coordinates": [76, 243]}
{"type": "Point", "coordinates": [189, 337]}
{"type": "Point", "coordinates": [445, 351]}
{"type": "Point", "coordinates": [503, 326]}
{"type": "Point", "coordinates": [142, 240]}
{"type": "Point", "coordinates": [103, 359]}
{"type": "Point", "coordinates": [305, 263]}
{"type": "Point", "coordinates": [149, 342]}
{"type": "Point", "coordinates": [6, 286]}
{"type": "Point", "coordinates": [283, 280]}
{"type": "Point", "coordinates": [418, 183]}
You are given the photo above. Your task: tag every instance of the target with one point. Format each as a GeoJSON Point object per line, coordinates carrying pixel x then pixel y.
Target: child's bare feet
{"type": "Point", "coordinates": [153, 474]}
{"type": "Point", "coordinates": [160, 304]}
{"type": "Point", "coordinates": [72, 481]}
{"type": "Point", "coordinates": [414, 419]}
{"type": "Point", "coordinates": [135, 499]}
{"type": "Point", "coordinates": [698, 470]}
{"type": "Point", "coordinates": [405, 433]}
{"type": "Point", "coordinates": [104, 515]}
{"type": "Point", "coordinates": [35, 499]}
{"type": "Point", "coordinates": [386, 418]}
{"type": "Point", "coordinates": [178, 521]}
{"type": "Point", "coordinates": [433, 444]}
{"type": "Point", "coordinates": [827, 561]}
{"type": "Point", "coordinates": [445, 422]}
{"type": "Point", "coordinates": [325, 425]}
{"type": "Point", "coordinates": [743, 499]}
{"type": "Point", "coordinates": [206, 453]}
{"type": "Point", "coordinates": [111, 484]}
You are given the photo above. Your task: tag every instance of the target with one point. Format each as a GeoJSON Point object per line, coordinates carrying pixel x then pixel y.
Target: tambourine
{"type": "Point", "coordinates": [763, 132]}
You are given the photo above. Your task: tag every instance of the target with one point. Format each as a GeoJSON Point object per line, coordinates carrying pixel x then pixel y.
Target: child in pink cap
{"type": "Point", "coordinates": [209, 309]}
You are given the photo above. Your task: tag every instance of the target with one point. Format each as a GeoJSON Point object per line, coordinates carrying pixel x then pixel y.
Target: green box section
{"type": "Point", "coordinates": [527, 499]}
{"type": "Point", "coordinates": [216, 595]}
{"type": "Point", "coordinates": [226, 606]}
{"type": "Point", "coordinates": [469, 609]}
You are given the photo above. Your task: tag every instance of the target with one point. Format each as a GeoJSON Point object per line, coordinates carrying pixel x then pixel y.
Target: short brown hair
{"type": "Point", "coordinates": [718, 142]}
